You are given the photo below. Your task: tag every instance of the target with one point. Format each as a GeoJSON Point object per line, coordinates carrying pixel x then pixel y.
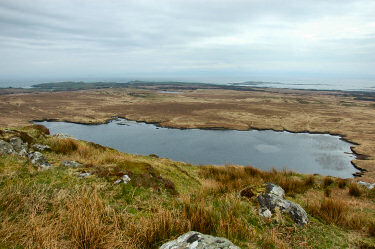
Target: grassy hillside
{"type": "Point", "coordinates": [54, 208]}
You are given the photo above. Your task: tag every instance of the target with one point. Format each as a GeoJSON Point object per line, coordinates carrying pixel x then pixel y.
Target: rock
{"type": "Point", "coordinates": [70, 164]}
{"type": "Point", "coordinates": [84, 174]}
{"type": "Point", "coordinates": [271, 202]}
{"type": "Point", "coordinates": [125, 179]}
{"type": "Point", "coordinates": [274, 189]}
{"type": "Point", "coordinates": [41, 147]}
{"type": "Point", "coordinates": [6, 148]}
{"type": "Point", "coordinates": [195, 240]}
{"type": "Point", "coordinates": [265, 213]}
{"type": "Point", "coordinates": [19, 146]}
{"type": "Point", "coordinates": [38, 159]}
{"type": "Point", "coordinates": [61, 135]}
{"type": "Point", "coordinates": [367, 184]}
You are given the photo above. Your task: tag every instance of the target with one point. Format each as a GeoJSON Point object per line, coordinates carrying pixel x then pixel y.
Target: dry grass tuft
{"type": "Point", "coordinates": [330, 210]}
{"type": "Point", "coordinates": [328, 181]}
{"type": "Point", "coordinates": [342, 183]}
{"type": "Point", "coordinates": [64, 146]}
{"type": "Point", "coordinates": [40, 128]}
{"type": "Point", "coordinates": [354, 190]}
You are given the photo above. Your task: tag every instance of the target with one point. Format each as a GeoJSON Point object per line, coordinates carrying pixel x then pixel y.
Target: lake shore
{"type": "Point", "coordinates": [338, 113]}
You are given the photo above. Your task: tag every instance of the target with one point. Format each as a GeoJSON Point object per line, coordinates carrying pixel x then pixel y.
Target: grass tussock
{"type": "Point", "coordinates": [354, 190]}
{"type": "Point", "coordinates": [64, 146]}
{"type": "Point", "coordinates": [342, 183]}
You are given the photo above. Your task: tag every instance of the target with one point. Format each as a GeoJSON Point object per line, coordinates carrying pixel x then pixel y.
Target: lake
{"type": "Point", "coordinates": [302, 152]}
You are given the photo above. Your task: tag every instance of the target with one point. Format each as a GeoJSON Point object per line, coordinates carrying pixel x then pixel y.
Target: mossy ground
{"type": "Point", "coordinates": [56, 209]}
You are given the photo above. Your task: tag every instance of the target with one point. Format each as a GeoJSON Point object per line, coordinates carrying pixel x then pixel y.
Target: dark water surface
{"type": "Point", "coordinates": [302, 152]}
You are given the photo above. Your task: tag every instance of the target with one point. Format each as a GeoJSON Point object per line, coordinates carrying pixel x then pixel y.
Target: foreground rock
{"type": "Point", "coordinates": [41, 147]}
{"type": "Point", "coordinates": [73, 164]}
{"type": "Point", "coordinates": [125, 179]}
{"type": "Point", "coordinates": [6, 148]}
{"type": "Point", "coordinates": [273, 198]}
{"type": "Point", "coordinates": [199, 241]}
{"type": "Point", "coordinates": [367, 184]}
{"type": "Point", "coordinates": [19, 146]}
{"type": "Point", "coordinates": [38, 159]}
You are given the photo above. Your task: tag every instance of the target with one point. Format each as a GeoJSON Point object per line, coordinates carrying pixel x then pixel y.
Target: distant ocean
{"type": "Point", "coordinates": [316, 84]}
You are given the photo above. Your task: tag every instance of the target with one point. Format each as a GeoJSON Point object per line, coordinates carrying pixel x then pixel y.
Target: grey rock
{"type": "Point", "coordinates": [19, 146]}
{"type": "Point", "coordinates": [265, 213]}
{"type": "Point", "coordinates": [84, 174]}
{"type": "Point", "coordinates": [6, 148]}
{"type": "Point", "coordinates": [125, 179]}
{"type": "Point", "coordinates": [195, 240]}
{"type": "Point", "coordinates": [70, 164]}
{"type": "Point", "coordinates": [367, 184]}
{"type": "Point", "coordinates": [41, 147]}
{"type": "Point", "coordinates": [38, 159]}
{"type": "Point", "coordinates": [62, 135]}
{"type": "Point", "coordinates": [274, 189]}
{"type": "Point", "coordinates": [271, 202]}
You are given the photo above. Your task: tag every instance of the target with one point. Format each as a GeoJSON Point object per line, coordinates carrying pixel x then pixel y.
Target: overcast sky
{"type": "Point", "coordinates": [183, 38]}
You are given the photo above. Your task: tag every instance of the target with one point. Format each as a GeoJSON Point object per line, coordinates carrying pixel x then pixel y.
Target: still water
{"type": "Point", "coordinates": [302, 152]}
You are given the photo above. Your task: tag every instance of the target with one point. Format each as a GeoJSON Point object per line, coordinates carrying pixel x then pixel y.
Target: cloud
{"type": "Point", "coordinates": [113, 37]}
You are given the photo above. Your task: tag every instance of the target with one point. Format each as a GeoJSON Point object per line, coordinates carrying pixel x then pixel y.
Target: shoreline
{"type": "Point", "coordinates": [360, 173]}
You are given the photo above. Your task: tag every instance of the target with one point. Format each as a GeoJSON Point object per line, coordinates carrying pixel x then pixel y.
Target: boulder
{"type": "Point", "coordinates": [73, 164]}
{"type": "Point", "coordinates": [19, 146]}
{"type": "Point", "coordinates": [125, 179]}
{"type": "Point", "coordinates": [41, 147]}
{"type": "Point", "coordinates": [6, 148]}
{"type": "Point", "coordinates": [274, 189]}
{"type": "Point", "coordinates": [84, 174]}
{"type": "Point", "coordinates": [199, 241]}
{"type": "Point", "coordinates": [367, 184]}
{"type": "Point", "coordinates": [273, 197]}
{"type": "Point", "coordinates": [62, 135]}
{"type": "Point", "coordinates": [38, 159]}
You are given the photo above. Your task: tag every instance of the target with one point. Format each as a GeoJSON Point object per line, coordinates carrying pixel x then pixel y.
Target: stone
{"type": "Point", "coordinates": [19, 146]}
{"type": "Point", "coordinates": [265, 213]}
{"type": "Point", "coordinates": [367, 184]}
{"type": "Point", "coordinates": [38, 159]}
{"type": "Point", "coordinates": [84, 174]}
{"type": "Point", "coordinates": [125, 179]}
{"type": "Point", "coordinates": [41, 147]}
{"type": "Point", "coordinates": [271, 202]}
{"type": "Point", "coordinates": [195, 240]}
{"type": "Point", "coordinates": [62, 135]}
{"type": "Point", "coordinates": [6, 148]}
{"type": "Point", "coordinates": [274, 189]}
{"type": "Point", "coordinates": [73, 164]}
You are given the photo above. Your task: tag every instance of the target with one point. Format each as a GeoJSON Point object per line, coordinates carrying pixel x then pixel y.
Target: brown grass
{"type": "Point", "coordinates": [330, 210]}
{"type": "Point", "coordinates": [328, 181]}
{"type": "Point", "coordinates": [40, 128]}
{"type": "Point", "coordinates": [354, 190]}
{"type": "Point", "coordinates": [64, 146]}
{"type": "Point", "coordinates": [342, 183]}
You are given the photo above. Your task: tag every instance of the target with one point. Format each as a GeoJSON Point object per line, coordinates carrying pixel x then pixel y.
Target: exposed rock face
{"type": "Point", "coordinates": [41, 147]}
{"type": "Point", "coordinates": [269, 202]}
{"type": "Point", "coordinates": [275, 189]}
{"type": "Point", "coordinates": [38, 159]}
{"type": "Point", "coordinates": [367, 184]}
{"type": "Point", "coordinates": [70, 164]}
{"type": "Point", "coordinates": [84, 174]}
{"type": "Point", "coordinates": [197, 240]}
{"type": "Point", "coordinates": [19, 146]}
{"type": "Point", "coordinates": [125, 179]}
{"type": "Point", "coordinates": [61, 135]}
{"type": "Point", "coordinates": [6, 148]}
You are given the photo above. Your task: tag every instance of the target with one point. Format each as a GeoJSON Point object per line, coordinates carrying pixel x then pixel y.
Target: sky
{"type": "Point", "coordinates": [187, 39]}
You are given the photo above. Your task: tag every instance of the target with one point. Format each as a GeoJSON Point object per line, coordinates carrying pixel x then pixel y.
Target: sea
{"type": "Point", "coordinates": [271, 82]}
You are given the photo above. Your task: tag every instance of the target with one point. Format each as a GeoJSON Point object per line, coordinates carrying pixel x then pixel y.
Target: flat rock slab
{"type": "Point", "coordinates": [195, 240]}
{"type": "Point", "coordinates": [6, 148]}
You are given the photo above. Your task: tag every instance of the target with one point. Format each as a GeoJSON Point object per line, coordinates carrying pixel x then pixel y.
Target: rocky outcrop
{"type": "Point", "coordinates": [199, 241]}
{"type": "Point", "coordinates": [38, 159]}
{"type": "Point", "coordinates": [19, 146]}
{"type": "Point", "coordinates": [367, 184]}
{"type": "Point", "coordinates": [273, 198]}
{"type": "Point", "coordinates": [125, 179]}
{"type": "Point", "coordinates": [41, 147]}
{"type": "Point", "coordinates": [62, 135]}
{"type": "Point", "coordinates": [6, 148]}
{"type": "Point", "coordinates": [73, 164]}
{"type": "Point", "coordinates": [86, 174]}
